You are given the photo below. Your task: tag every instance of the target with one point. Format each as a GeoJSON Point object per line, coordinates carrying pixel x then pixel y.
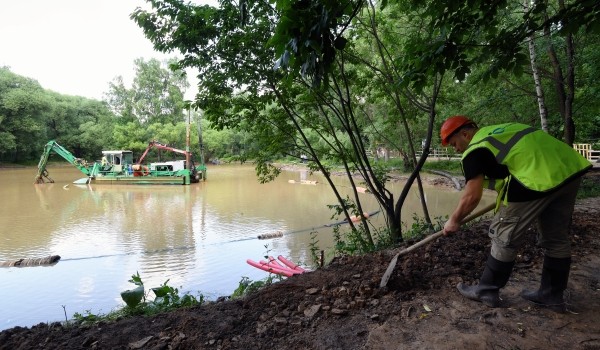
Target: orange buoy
{"type": "Point", "coordinates": [355, 218]}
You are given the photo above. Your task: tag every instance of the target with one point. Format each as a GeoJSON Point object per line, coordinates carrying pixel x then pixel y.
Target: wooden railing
{"type": "Point", "coordinates": [445, 153]}
{"type": "Point", "coordinates": [585, 149]}
{"type": "Point", "coordinates": [434, 153]}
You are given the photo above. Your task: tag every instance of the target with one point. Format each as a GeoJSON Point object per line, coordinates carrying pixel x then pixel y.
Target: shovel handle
{"type": "Point", "coordinates": [441, 232]}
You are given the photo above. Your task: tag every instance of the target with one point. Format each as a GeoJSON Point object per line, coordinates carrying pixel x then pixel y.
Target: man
{"type": "Point", "coordinates": [537, 178]}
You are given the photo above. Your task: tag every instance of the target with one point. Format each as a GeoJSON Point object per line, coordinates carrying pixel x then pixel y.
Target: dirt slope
{"type": "Point", "coordinates": [341, 306]}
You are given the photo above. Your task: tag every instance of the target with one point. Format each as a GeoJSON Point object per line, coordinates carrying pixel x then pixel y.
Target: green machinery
{"type": "Point", "coordinates": [117, 167]}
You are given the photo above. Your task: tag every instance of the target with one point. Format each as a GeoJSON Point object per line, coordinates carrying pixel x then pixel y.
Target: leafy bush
{"type": "Point", "coordinates": [420, 227]}
{"type": "Point", "coordinates": [166, 298]}
{"type": "Point", "coordinates": [247, 286]}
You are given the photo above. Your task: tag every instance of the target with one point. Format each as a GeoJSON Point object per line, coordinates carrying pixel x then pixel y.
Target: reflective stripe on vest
{"type": "Point", "coordinates": [504, 148]}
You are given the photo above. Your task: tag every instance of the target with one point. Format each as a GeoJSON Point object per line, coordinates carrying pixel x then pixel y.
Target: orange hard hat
{"type": "Point", "coordinates": [451, 125]}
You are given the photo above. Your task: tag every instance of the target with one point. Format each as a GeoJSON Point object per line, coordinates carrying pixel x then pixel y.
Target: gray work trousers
{"type": "Point", "coordinates": [553, 214]}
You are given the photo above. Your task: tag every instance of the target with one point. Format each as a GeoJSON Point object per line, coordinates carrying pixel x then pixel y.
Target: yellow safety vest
{"type": "Point", "coordinates": [537, 160]}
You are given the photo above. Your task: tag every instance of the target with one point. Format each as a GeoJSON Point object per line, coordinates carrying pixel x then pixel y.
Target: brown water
{"type": "Point", "coordinates": [198, 237]}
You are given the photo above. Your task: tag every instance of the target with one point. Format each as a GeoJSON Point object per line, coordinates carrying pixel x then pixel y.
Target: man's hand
{"type": "Point", "coordinates": [468, 201]}
{"type": "Point", "coordinates": [450, 227]}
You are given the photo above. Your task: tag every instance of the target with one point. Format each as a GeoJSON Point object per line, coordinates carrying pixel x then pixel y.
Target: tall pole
{"type": "Point", "coordinates": [201, 144]}
{"type": "Point", "coordinates": [187, 144]}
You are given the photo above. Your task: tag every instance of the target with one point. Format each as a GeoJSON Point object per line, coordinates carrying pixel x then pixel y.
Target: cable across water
{"type": "Point", "coordinates": [273, 235]}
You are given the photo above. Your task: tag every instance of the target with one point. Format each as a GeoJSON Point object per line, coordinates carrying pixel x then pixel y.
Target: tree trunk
{"type": "Point", "coordinates": [564, 85]}
{"type": "Point", "coordinates": [569, 123]}
{"type": "Point", "coordinates": [536, 79]}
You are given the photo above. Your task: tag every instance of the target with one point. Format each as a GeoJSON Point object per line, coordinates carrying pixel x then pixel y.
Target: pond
{"type": "Point", "coordinates": [197, 237]}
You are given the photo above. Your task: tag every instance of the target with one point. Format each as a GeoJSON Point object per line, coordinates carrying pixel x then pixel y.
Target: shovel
{"type": "Point", "coordinates": [392, 265]}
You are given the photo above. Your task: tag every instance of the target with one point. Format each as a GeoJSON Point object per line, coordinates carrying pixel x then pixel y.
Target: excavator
{"type": "Point", "coordinates": [117, 167]}
{"type": "Point", "coordinates": [52, 146]}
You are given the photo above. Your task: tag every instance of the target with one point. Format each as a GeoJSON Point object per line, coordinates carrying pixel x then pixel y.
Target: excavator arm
{"type": "Point", "coordinates": [159, 145]}
{"type": "Point", "coordinates": [53, 146]}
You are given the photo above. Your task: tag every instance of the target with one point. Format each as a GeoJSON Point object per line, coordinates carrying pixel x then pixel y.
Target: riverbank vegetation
{"type": "Point", "coordinates": [139, 301]}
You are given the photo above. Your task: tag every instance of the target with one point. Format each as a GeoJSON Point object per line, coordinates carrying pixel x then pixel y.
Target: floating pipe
{"type": "Point", "coordinates": [47, 261]}
{"type": "Point", "coordinates": [270, 235]}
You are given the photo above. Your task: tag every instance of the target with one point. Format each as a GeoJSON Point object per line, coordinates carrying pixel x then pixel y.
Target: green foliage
{"type": "Point", "coordinates": [22, 116]}
{"type": "Point", "coordinates": [309, 33]}
{"type": "Point", "coordinates": [246, 286]}
{"type": "Point", "coordinates": [355, 75]}
{"type": "Point", "coordinates": [133, 297]}
{"type": "Point", "coordinates": [165, 298]}
{"type": "Point", "coordinates": [87, 317]}
{"type": "Point", "coordinates": [156, 95]}
{"type": "Point", "coordinates": [590, 187]}
{"type": "Point", "coordinates": [341, 246]}
{"type": "Point", "coordinates": [420, 227]}
{"type": "Point", "coordinates": [444, 165]}
{"type": "Point", "coordinates": [352, 244]}
{"type": "Point", "coordinates": [313, 248]}
{"type": "Point", "coordinates": [31, 116]}
{"type": "Point", "coordinates": [358, 239]}
{"type": "Point", "coordinates": [450, 40]}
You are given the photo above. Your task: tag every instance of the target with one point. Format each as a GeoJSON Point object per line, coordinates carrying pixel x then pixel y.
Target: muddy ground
{"type": "Point", "coordinates": [342, 307]}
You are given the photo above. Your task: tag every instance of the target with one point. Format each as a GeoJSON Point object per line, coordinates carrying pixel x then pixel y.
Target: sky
{"type": "Point", "coordinates": [75, 47]}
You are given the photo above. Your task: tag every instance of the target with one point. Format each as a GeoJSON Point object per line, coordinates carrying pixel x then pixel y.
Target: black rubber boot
{"type": "Point", "coordinates": [555, 275]}
{"type": "Point", "coordinates": [495, 276]}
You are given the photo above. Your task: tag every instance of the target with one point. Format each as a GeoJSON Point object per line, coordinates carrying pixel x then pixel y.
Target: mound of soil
{"type": "Point", "coordinates": [342, 307]}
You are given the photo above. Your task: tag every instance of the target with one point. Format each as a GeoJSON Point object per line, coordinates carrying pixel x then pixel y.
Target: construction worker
{"type": "Point", "coordinates": [105, 166]}
{"type": "Point", "coordinates": [537, 178]}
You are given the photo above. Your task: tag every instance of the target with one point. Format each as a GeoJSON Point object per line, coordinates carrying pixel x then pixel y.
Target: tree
{"type": "Point", "coordinates": [464, 34]}
{"type": "Point", "coordinates": [285, 116]}
{"type": "Point", "coordinates": [31, 116]}
{"type": "Point", "coordinates": [156, 94]}
{"type": "Point", "coordinates": [539, 92]}
{"type": "Point", "coordinates": [23, 104]}
{"type": "Point", "coordinates": [318, 101]}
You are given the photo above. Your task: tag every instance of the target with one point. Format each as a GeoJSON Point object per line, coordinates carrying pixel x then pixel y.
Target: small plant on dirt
{"type": "Point", "coordinates": [420, 227]}
{"type": "Point", "coordinates": [341, 246]}
{"type": "Point", "coordinates": [355, 241]}
{"type": "Point", "coordinates": [315, 257]}
{"type": "Point", "coordinates": [86, 317]}
{"type": "Point", "coordinates": [267, 251]}
{"type": "Point", "coordinates": [133, 297]}
{"type": "Point", "coordinates": [382, 238]}
{"type": "Point", "coordinates": [166, 298]}
{"type": "Point", "coordinates": [248, 286]}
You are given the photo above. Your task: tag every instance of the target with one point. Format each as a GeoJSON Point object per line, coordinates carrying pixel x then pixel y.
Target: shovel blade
{"type": "Point", "coordinates": [388, 271]}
